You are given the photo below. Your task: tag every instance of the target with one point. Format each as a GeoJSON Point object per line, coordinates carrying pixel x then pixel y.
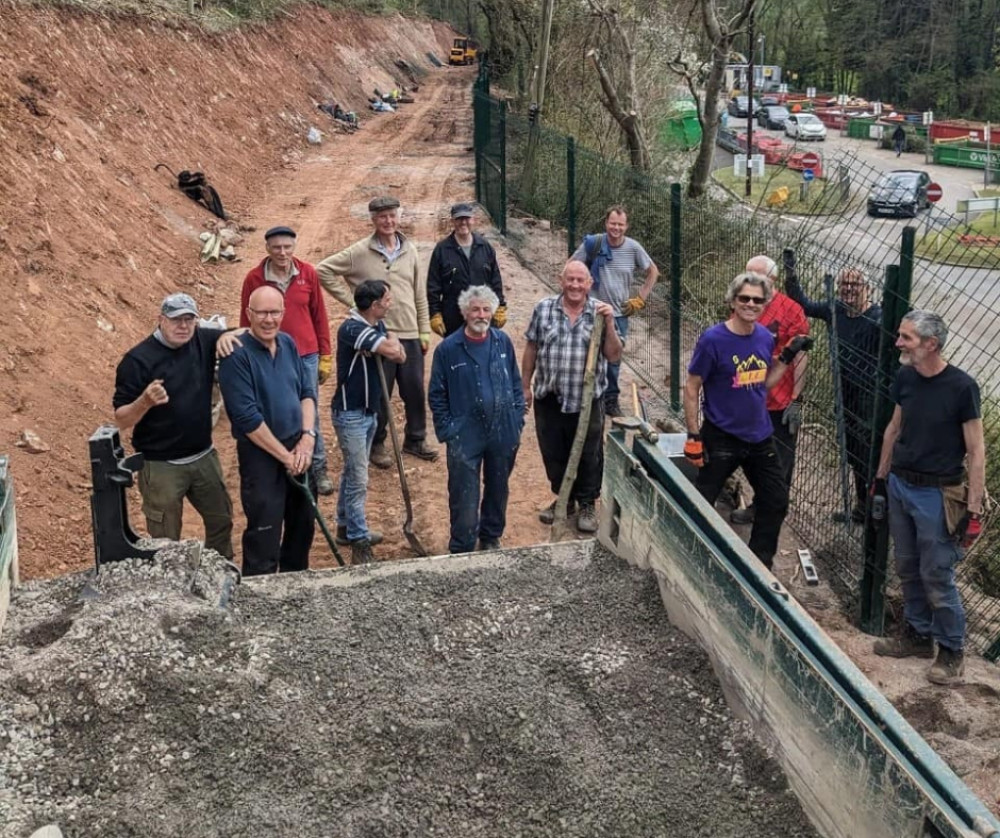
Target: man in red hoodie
{"type": "Point", "coordinates": [305, 320]}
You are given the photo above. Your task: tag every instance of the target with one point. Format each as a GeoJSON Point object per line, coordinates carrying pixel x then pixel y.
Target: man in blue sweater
{"type": "Point", "coordinates": [478, 406]}
{"type": "Point", "coordinates": [271, 404]}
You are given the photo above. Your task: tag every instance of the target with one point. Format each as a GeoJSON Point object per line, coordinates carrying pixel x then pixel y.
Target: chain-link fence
{"type": "Point", "coordinates": [844, 254]}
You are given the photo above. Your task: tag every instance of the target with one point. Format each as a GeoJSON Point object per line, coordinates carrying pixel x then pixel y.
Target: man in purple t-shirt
{"type": "Point", "coordinates": [730, 373]}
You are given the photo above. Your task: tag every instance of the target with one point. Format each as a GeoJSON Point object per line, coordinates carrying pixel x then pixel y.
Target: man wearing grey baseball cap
{"type": "Point", "coordinates": [163, 391]}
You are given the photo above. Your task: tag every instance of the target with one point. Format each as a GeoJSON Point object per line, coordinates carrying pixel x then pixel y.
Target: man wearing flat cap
{"type": "Point", "coordinates": [389, 256]}
{"type": "Point", "coordinates": [163, 389]}
{"type": "Point", "coordinates": [304, 320]}
{"type": "Point", "coordinates": [460, 261]}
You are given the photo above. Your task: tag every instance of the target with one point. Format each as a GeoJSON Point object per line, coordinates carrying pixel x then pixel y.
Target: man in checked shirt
{"type": "Point", "coordinates": [556, 357]}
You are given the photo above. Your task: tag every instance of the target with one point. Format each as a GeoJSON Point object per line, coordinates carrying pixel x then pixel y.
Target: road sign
{"type": "Point", "coordinates": [810, 160]}
{"type": "Point", "coordinates": [808, 175]}
{"type": "Point", "coordinates": [934, 192]}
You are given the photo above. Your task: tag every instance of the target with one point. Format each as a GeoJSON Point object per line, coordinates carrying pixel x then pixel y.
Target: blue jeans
{"type": "Point", "coordinates": [468, 519]}
{"type": "Point", "coordinates": [311, 363]}
{"type": "Point", "coordinates": [355, 432]}
{"type": "Point", "coordinates": [612, 391]}
{"type": "Point", "coordinates": [926, 556]}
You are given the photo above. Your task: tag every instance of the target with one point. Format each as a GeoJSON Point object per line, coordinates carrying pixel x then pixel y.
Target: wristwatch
{"type": "Point", "coordinates": [310, 432]}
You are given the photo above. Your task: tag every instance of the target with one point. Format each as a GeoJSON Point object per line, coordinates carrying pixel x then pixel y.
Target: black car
{"type": "Point", "coordinates": [902, 192]}
{"type": "Point", "coordinates": [738, 106]}
{"type": "Point", "coordinates": [772, 116]}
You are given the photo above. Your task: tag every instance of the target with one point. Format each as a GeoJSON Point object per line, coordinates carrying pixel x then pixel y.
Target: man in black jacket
{"type": "Point", "coordinates": [460, 261]}
{"type": "Point", "coordinates": [857, 324]}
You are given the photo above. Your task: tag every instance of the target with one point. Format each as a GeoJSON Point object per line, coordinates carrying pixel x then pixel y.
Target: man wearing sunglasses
{"type": "Point", "coordinates": [731, 371]}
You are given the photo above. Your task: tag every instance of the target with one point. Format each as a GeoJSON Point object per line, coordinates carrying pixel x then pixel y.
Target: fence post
{"type": "Point", "coordinates": [479, 105]}
{"type": "Point", "coordinates": [571, 195]}
{"type": "Point", "coordinates": [502, 220]}
{"type": "Point", "coordinates": [675, 296]}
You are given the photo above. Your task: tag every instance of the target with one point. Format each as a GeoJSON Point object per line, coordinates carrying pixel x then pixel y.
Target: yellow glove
{"type": "Point", "coordinates": [325, 367]}
{"type": "Point", "coordinates": [437, 325]}
{"type": "Point", "coordinates": [425, 343]}
{"type": "Point", "coordinates": [633, 305]}
{"type": "Point", "coordinates": [500, 317]}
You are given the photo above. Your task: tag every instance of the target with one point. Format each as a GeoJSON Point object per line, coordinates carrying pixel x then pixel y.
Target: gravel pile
{"type": "Point", "coordinates": [543, 695]}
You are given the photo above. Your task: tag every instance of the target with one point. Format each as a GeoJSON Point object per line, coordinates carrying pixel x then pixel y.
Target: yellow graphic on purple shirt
{"type": "Point", "coordinates": [749, 372]}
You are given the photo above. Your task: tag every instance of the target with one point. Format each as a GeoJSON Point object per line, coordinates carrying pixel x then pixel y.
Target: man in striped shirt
{"type": "Point", "coordinates": [355, 408]}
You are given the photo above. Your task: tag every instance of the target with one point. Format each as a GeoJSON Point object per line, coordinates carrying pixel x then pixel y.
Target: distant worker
{"type": "Point", "coordinates": [552, 373]}
{"type": "Point", "coordinates": [163, 389]}
{"type": "Point", "coordinates": [360, 338]}
{"type": "Point", "coordinates": [731, 370]}
{"type": "Point", "coordinates": [478, 406]}
{"type": "Point", "coordinates": [857, 323]}
{"type": "Point", "coordinates": [461, 260]}
{"type": "Point", "coordinates": [899, 139]}
{"type": "Point", "coordinates": [783, 318]}
{"type": "Point", "coordinates": [613, 259]}
{"type": "Point", "coordinates": [271, 402]}
{"type": "Point", "coordinates": [305, 320]}
{"type": "Point", "coordinates": [933, 447]}
{"type": "Point", "coordinates": [388, 255]}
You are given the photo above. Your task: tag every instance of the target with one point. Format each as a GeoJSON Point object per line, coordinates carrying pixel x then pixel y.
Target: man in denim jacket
{"type": "Point", "coordinates": [478, 407]}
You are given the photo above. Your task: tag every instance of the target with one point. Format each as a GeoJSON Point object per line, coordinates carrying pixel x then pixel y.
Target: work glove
{"type": "Point", "coordinates": [799, 343]}
{"type": "Point", "coordinates": [633, 305]}
{"type": "Point", "coordinates": [792, 417]}
{"type": "Point", "coordinates": [425, 343]}
{"type": "Point", "coordinates": [437, 325]}
{"type": "Point", "coordinates": [879, 496]}
{"type": "Point", "coordinates": [968, 530]}
{"type": "Point", "coordinates": [694, 450]}
{"type": "Point", "coordinates": [788, 260]}
{"type": "Point", "coordinates": [500, 317]}
{"type": "Point", "coordinates": [324, 368]}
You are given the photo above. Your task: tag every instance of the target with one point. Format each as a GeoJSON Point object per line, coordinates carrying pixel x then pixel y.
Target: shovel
{"type": "Point", "coordinates": [408, 523]}
{"type": "Point", "coordinates": [303, 486]}
{"type": "Point", "coordinates": [636, 422]}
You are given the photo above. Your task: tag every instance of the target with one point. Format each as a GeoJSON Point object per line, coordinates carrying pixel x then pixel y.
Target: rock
{"type": "Point", "coordinates": [32, 442]}
{"type": "Point", "coordinates": [104, 325]}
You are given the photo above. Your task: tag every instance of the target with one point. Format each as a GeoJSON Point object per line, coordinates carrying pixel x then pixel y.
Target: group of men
{"type": "Point", "coordinates": [742, 402]}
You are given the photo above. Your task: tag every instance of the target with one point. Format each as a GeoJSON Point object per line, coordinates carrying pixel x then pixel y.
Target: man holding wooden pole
{"type": "Point", "coordinates": [555, 356]}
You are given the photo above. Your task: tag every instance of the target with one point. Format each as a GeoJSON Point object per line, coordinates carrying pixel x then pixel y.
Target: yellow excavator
{"type": "Point", "coordinates": [463, 51]}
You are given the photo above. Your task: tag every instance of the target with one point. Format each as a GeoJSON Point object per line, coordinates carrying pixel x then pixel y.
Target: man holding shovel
{"type": "Point", "coordinates": [555, 357]}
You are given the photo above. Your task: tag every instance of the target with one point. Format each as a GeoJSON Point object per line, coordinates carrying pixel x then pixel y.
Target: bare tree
{"type": "Point", "coordinates": [618, 83]}
{"type": "Point", "coordinates": [719, 26]}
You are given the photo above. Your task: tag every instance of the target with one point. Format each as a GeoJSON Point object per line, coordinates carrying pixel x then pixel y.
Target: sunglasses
{"type": "Point", "coordinates": [746, 298]}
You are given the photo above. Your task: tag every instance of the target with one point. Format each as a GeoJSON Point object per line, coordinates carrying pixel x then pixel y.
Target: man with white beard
{"type": "Point", "coordinates": [478, 407]}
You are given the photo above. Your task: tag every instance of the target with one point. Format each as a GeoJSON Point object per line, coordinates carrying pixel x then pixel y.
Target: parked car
{"type": "Point", "coordinates": [727, 138]}
{"type": "Point", "coordinates": [805, 126]}
{"type": "Point", "coordinates": [772, 116]}
{"type": "Point", "coordinates": [769, 100]}
{"type": "Point", "coordinates": [902, 192]}
{"type": "Point", "coordinates": [738, 106]}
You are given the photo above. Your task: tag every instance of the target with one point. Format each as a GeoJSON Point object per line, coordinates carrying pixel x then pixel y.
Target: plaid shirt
{"type": "Point", "coordinates": [562, 353]}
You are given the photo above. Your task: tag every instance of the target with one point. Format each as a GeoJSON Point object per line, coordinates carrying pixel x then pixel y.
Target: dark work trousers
{"type": "Point", "coordinates": [468, 519]}
{"type": "Point", "coordinates": [859, 410]}
{"type": "Point", "coordinates": [555, 431]}
{"type": "Point", "coordinates": [724, 453]}
{"type": "Point", "coordinates": [280, 521]}
{"type": "Point", "coordinates": [411, 388]}
{"type": "Point", "coordinates": [785, 443]}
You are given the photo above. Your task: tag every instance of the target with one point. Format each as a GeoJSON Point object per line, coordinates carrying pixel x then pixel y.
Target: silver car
{"type": "Point", "coordinates": [805, 126]}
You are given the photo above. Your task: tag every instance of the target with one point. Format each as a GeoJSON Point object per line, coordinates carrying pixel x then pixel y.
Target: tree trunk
{"type": "Point", "coordinates": [708, 117]}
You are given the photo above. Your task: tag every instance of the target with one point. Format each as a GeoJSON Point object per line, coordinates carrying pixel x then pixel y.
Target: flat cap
{"type": "Point", "coordinates": [177, 305]}
{"type": "Point", "coordinates": [279, 231]}
{"type": "Point", "coordinates": [383, 202]}
{"type": "Point", "coordinates": [463, 211]}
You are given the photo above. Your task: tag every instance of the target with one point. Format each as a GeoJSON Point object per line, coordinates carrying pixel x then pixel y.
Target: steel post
{"type": "Point", "coordinates": [675, 296]}
{"type": "Point", "coordinates": [570, 195]}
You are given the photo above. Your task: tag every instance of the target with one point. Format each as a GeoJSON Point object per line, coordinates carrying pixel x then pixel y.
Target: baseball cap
{"type": "Point", "coordinates": [383, 202]}
{"type": "Point", "coordinates": [279, 231]}
{"type": "Point", "coordinates": [177, 305]}
{"type": "Point", "coordinates": [463, 211]}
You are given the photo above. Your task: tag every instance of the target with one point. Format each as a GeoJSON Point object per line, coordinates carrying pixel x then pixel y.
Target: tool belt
{"type": "Point", "coordinates": [919, 479]}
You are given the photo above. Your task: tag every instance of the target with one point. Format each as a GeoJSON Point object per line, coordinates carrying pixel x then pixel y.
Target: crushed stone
{"type": "Point", "coordinates": [530, 696]}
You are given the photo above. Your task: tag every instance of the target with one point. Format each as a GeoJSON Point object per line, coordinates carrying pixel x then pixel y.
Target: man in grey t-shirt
{"type": "Point", "coordinates": [614, 259]}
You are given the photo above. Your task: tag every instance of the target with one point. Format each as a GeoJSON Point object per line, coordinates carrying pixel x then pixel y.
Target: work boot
{"type": "Point", "coordinates": [743, 516]}
{"type": "Point", "coordinates": [857, 516]}
{"type": "Point", "coordinates": [908, 645]}
{"type": "Point", "coordinates": [361, 552]}
{"type": "Point", "coordinates": [548, 515]}
{"type": "Point", "coordinates": [324, 485]}
{"type": "Point", "coordinates": [420, 449]}
{"type": "Point", "coordinates": [948, 668]}
{"type": "Point", "coordinates": [488, 544]}
{"type": "Point", "coordinates": [379, 456]}
{"type": "Point", "coordinates": [612, 408]}
{"type": "Point", "coordinates": [586, 521]}
{"type": "Point", "coordinates": [374, 536]}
